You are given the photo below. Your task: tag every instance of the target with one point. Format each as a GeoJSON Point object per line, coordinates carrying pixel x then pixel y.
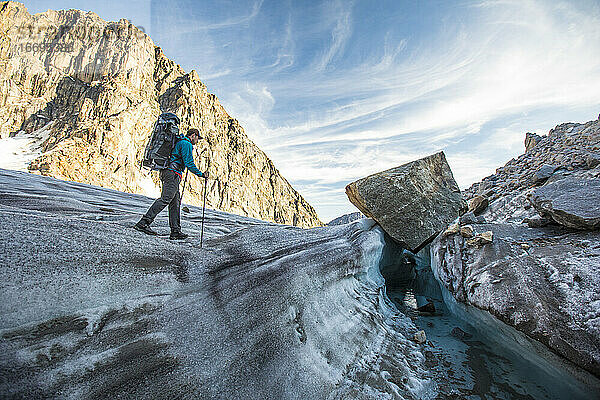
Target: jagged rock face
{"type": "Point", "coordinates": [413, 202]}
{"type": "Point", "coordinates": [531, 140]}
{"type": "Point", "coordinates": [93, 97]}
{"type": "Point", "coordinates": [572, 201]}
{"type": "Point", "coordinates": [545, 282]}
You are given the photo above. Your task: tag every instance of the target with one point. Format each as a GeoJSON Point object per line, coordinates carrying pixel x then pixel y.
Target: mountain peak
{"type": "Point", "coordinates": [87, 92]}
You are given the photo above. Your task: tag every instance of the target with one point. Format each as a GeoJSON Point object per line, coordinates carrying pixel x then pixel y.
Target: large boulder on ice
{"type": "Point", "coordinates": [571, 201]}
{"type": "Point", "coordinates": [412, 202]}
{"type": "Point", "coordinates": [92, 309]}
{"type": "Point", "coordinates": [545, 282]}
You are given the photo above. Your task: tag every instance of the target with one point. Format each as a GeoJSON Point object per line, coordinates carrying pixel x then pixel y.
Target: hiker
{"type": "Point", "coordinates": [181, 158]}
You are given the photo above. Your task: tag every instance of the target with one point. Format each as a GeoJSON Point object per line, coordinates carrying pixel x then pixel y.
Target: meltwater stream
{"type": "Point", "coordinates": [470, 354]}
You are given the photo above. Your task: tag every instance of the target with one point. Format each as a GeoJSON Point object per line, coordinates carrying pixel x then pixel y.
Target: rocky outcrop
{"type": "Point", "coordinates": [542, 174]}
{"type": "Point", "coordinates": [539, 269]}
{"type": "Point", "coordinates": [572, 201]}
{"type": "Point", "coordinates": [91, 91]}
{"type": "Point", "coordinates": [479, 239]}
{"type": "Point", "coordinates": [478, 204]}
{"type": "Point", "coordinates": [412, 202]}
{"type": "Point", "coordinates": [531, 140]}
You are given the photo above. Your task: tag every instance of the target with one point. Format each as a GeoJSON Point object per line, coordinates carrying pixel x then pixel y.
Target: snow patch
{"type": "Point", "coordinates": [19, 151]}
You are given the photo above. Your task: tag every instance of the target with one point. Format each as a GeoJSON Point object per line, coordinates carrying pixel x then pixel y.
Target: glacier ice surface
{"type": "Point", "coordinates": [91, 308]}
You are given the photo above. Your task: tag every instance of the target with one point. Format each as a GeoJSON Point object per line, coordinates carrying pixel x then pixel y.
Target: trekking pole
{"type": "Point", "coordinates": [203, 208]}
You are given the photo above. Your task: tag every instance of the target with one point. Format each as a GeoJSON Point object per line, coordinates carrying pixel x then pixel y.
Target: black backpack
{"type": "Point", "coordinates": [163, 138]}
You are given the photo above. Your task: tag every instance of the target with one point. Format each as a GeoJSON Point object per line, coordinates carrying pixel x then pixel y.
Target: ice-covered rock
{"type": "Point", "coordinates": [346, 218]}
{"type": "Point", "coordinates": [535, 275]}
{"type": "Point", "coordinates": [545, 282]}
{"type": "Point", "coordinates": [412, 202]}
{"type": "Point", "coordinates": [90, 308]}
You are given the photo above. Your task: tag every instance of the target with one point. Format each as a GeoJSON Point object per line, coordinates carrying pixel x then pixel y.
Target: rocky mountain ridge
{"type": "Point", "coordinates": [90, 91]}
{"type": "Point", "coordinates": [568, 147]}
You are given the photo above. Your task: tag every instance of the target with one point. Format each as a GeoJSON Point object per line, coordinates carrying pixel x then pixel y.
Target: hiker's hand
{"type": "Point", "coordinates": [205, 174]}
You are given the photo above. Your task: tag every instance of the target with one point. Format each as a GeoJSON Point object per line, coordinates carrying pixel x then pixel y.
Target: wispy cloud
{"type": "Point", "coordinates": [513, 58]}
{"type": "Point", "coordinates": [185, 26]}
{"type": "Point", "coordinates": [285, 53]}
{"type": "Point", "coordinates": [242, 19]}
{"type": "Point", "coordinates": [340, 33]}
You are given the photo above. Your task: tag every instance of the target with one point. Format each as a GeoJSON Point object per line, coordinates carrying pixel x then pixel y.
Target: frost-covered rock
{"type": "Point", "coordinates": [90, 308]}
{"type": "Point", "coordinates": [413, 202]}
{"type": "Point", "coordinates": [544, 282]}
{"type": "Point", "coordinates": [572, 201]}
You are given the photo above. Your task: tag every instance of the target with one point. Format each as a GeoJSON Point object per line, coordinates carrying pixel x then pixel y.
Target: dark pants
{"type": "Point", "coordinates": [169, 196]}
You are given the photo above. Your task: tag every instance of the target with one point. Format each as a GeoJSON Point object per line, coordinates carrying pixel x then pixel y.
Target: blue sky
{"type": "Point", "coordinates": [333, 91]}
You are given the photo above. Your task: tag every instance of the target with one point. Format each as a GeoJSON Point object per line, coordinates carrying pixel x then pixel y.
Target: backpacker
{"type": "Point", "coordinates": [162, 140]}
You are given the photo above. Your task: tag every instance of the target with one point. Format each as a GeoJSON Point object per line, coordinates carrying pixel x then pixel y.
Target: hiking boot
{"type": "Point", "coordinates": [178, 236]}
{"type": "Point", "coordinates": [143, 227]}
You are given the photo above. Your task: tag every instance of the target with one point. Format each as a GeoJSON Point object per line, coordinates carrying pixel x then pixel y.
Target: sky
{"type": "Point", "coordinates": [334, 91]}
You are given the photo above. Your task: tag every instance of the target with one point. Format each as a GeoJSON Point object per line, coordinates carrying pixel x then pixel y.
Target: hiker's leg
{"type": "Point", "coordinates": [175, 212]}
{"type": "Point", "coordinates": [165, 198]}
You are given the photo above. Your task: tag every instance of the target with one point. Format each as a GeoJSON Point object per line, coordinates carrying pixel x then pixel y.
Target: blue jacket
{"type": "Point", "coordinates": [181, 157]}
